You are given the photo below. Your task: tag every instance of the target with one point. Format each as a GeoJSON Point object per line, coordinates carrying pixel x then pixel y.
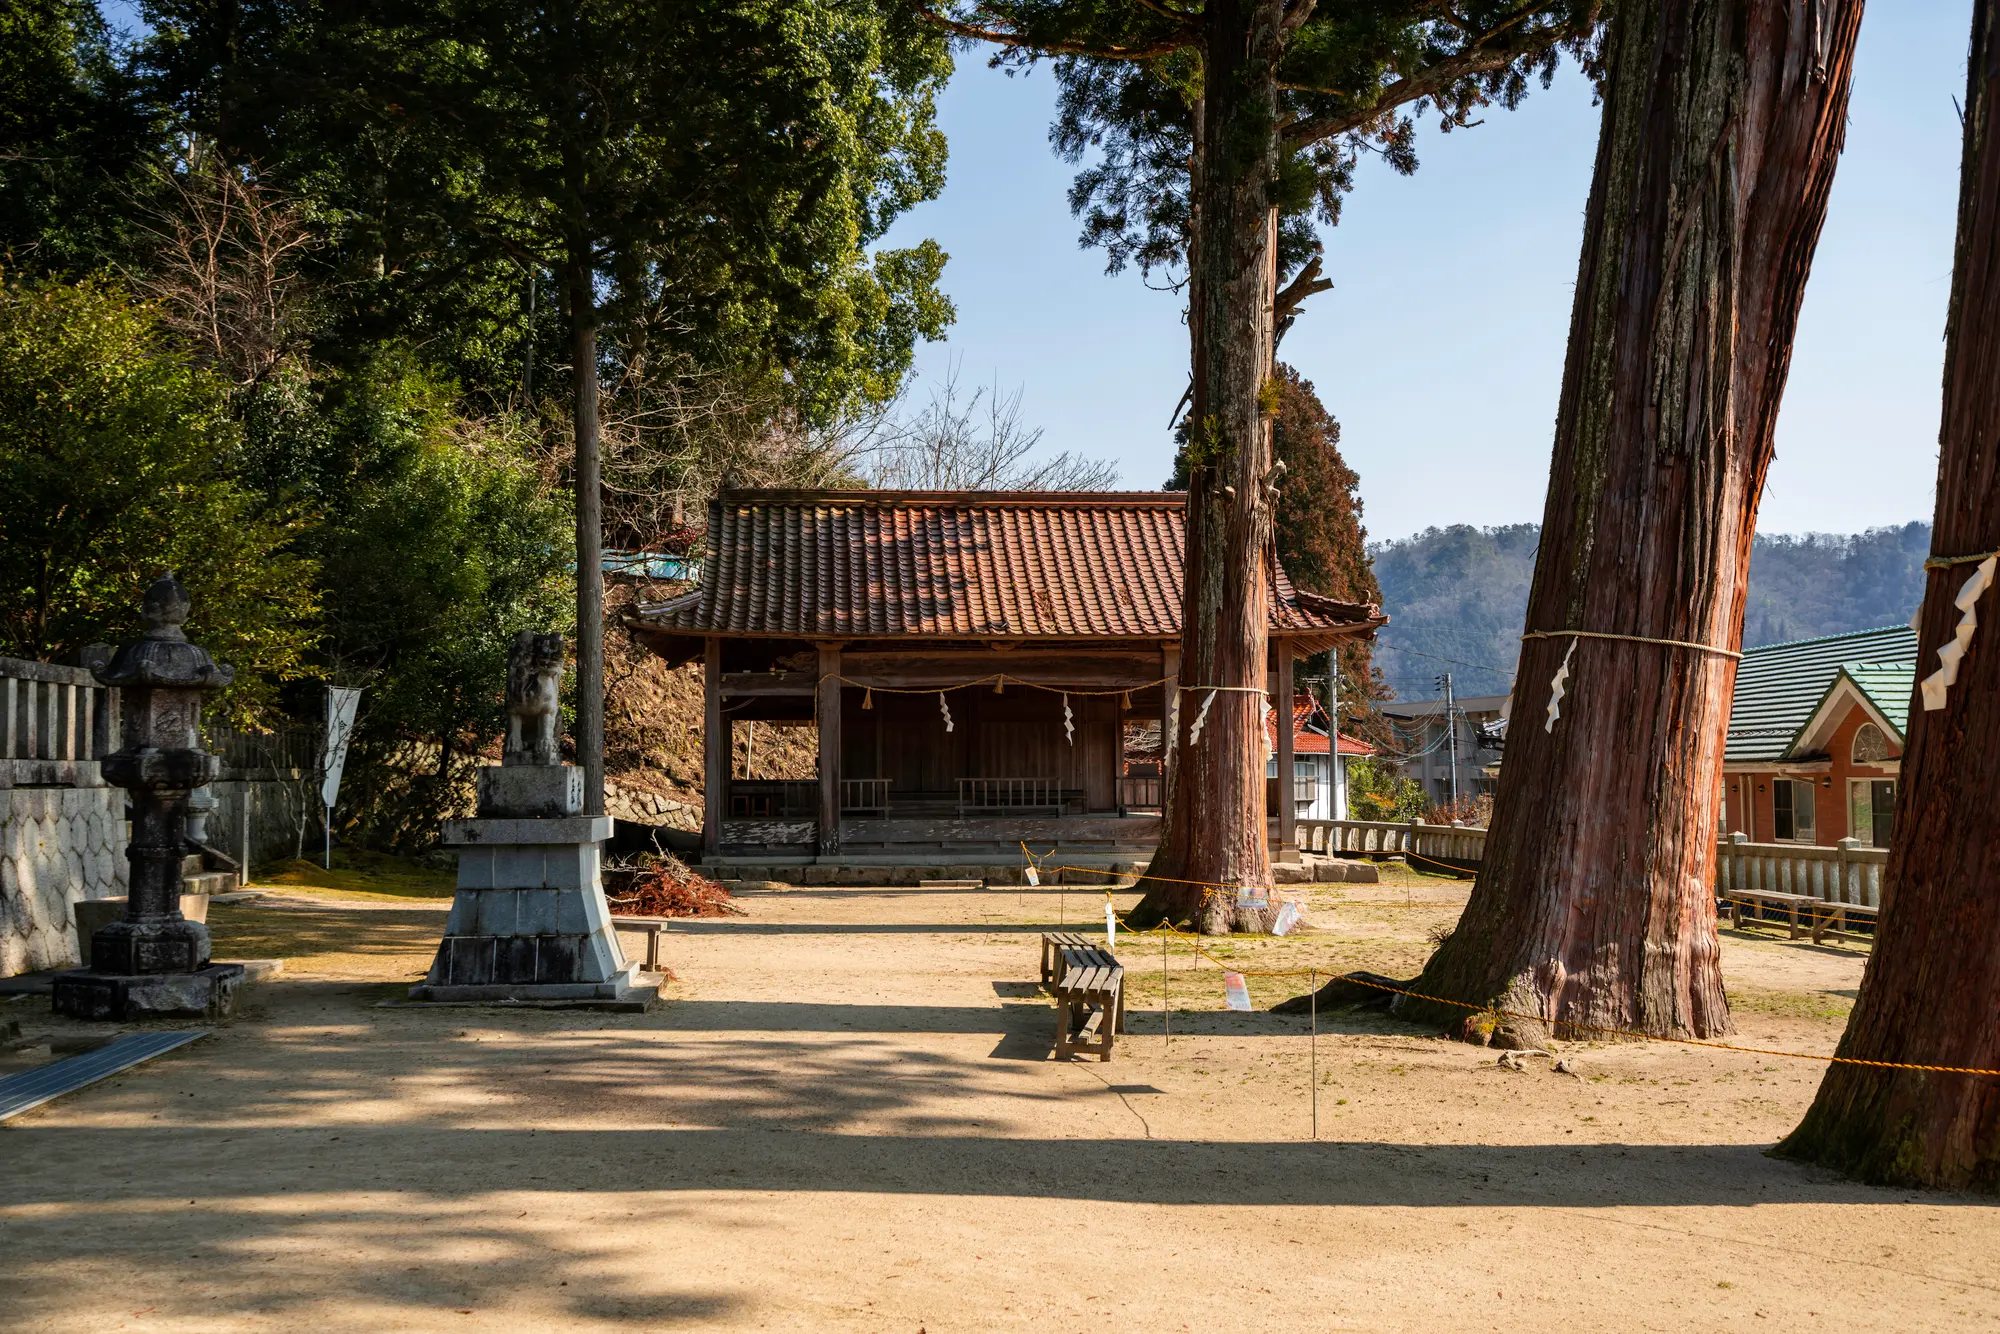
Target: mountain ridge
{"type": "Point", "coordinates": [1457, 596]}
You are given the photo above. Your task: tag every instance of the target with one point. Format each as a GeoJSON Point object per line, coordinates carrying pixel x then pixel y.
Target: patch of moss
{"type": "Point", "coordinates": [360, 874]}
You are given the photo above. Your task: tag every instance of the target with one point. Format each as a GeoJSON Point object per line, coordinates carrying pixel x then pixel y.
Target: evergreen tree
{"type": "Point", "coordinates": [1884, 1111]}
{"type": "Point", "coordinates": [1269, 90]}
{"type": "Point", "coordinates": [76, 139]}
{"type": "Point", "coordinates": [713, 174]}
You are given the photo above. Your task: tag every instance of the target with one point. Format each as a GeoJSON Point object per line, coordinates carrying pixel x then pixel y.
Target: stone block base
{"type": "Point", "coordinates": [209, 993]}
{"type": "Point", "coordinates": [622, 988]}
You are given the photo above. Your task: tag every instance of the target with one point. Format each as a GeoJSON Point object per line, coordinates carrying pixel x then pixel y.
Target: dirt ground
{"type": "Point", "coordinates": [845, 1118]}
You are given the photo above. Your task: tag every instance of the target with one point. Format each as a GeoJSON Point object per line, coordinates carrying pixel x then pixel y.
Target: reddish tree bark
{"type": "Point", "coordinates": [1723, 122]}
{"type": "Point", "coordinates": [1213, 829]}
{"type": "Point", "coordinates": [1931, 993]}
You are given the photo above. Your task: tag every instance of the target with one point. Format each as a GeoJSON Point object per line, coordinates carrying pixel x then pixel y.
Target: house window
{"type": "Point", "coordinates": [1870, 746]}
{"type": "Point", "coordinates": [1872, 803]}
{"type": "Point", "coordinates": [1792, 811]}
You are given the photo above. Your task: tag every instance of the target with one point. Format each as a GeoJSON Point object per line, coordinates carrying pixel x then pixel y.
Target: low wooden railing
{"type": "Point", "coordinates": [859, 796]}
{"type": "Point", "coordinates": [1141, 794]}
{"type": "Point", "coordinates": [1009, 794]}
{"type": "Point", "coordinates": [773, 798]}
{"type": "Point", "coordinates": [1848, 872]}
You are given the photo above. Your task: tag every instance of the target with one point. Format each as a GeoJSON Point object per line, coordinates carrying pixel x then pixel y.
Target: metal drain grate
{"type": "Point", "coordinates": [32, 1088]}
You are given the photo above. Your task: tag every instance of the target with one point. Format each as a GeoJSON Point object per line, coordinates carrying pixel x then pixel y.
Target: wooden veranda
{"type": "Point", "coordinates": [973, 662]}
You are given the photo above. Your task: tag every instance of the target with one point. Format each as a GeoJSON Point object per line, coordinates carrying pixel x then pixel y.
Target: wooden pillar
{"type": "Point", "coordinates": [714, 749]}
{"type": "Point", "coordinates": [1118, 753]}
{"type": "Point", "coordinates": [1170, 719]}
{"type": "Point", "coordinates": [1288, 807]}
{"type": "Point", "coordinates": [829, 749]}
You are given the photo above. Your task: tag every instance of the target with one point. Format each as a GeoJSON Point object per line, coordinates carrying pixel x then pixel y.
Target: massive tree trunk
{"type": "Point", "coordinates": [1932, 987]}
{"type": "Point", "coordinates": [589, 536]}
{"type": "Point", "coordinates": [1723, 121]}
{"type": "Point", "coordinates": [1214, 830]}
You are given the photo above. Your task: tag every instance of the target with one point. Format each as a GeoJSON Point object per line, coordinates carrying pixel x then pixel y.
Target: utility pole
{"type": "Point", "coordinates": [1450, 732]}
{"type": "Point", "coordinates": [1336, 804]}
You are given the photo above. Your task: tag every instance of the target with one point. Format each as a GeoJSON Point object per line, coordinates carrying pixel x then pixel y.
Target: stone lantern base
{"type": "Point", "coordinates": [205, 993]}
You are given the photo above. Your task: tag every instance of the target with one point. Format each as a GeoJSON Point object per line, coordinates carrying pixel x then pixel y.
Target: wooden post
{"type": "Point", "coordinates": [1288, 807]}
{"type": "Point", "coordinates": [1170, 715]}
{"type": "Point", "coordinates": [714, 749]}
{"type": "Point", "coordinates": [1118, 754]}
{"type": "Point", "coordinates": [829, 749]}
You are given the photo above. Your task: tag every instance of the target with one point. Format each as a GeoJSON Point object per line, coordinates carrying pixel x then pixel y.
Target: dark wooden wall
{"type": "Point", "coordinates": [1015, 735]}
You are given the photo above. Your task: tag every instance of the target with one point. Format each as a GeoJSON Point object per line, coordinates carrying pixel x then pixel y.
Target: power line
{"type": "Point", "coordinates": [1439, 657]}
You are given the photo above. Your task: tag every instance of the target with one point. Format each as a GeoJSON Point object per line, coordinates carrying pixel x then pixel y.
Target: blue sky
{"type": "Point", "coordinates": [1441, 347]}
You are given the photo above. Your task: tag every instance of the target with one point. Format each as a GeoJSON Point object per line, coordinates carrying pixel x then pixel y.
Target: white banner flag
{"type": "Point", "coordinates": [341, 703]}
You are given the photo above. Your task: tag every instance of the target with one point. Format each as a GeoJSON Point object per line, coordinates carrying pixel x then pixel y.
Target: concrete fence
{"type": "Point", "coordinates": [1847, 872]}
{"type": "Point", "coordinates": [62, 831]}
{"type": "Point", "coordinates": [1453, 844]}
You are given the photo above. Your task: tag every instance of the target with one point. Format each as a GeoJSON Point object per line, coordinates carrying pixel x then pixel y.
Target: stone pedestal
{"type": "Point", "coordinates": [202, 993]}
{"type": "Point", "coordinates": [529, 923]}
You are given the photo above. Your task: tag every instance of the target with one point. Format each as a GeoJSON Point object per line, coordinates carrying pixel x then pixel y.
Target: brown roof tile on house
{"type": "Point", "coordinates": [959, 564]}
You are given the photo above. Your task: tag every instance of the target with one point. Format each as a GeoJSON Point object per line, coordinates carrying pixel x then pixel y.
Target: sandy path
{"type": "Point", "coordinates": [846, 1122]}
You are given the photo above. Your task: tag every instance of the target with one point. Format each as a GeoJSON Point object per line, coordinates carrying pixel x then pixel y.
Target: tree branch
{"type": "Point", "coordinates": [1477, 58]}
{"type": "Point", "coordinates": [1183, 38]}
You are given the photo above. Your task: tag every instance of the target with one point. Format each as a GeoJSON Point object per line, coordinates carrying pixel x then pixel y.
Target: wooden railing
{"type": "Point", "coordinates": [1009, 794]}
{"type": "Point", "coordinates": [1848, 872]}
{"type": "Point", "coordinates": [773, 798]}
{"type": "Point", "coordinates": [863, 795]}
{"type": "Point", "coordinates": [53, 718]}
{"type": "Point", "coordinates": [1141, 794]}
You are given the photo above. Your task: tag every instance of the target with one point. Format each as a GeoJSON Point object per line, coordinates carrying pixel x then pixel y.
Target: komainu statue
{"type": "Point", "coordinates": [534, 684]}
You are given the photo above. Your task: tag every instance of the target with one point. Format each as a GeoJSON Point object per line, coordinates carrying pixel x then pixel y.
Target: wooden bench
{"type": "Point", "coordinates": [1089, 978]}
{"type": "Point", "coordinates": [1053, 945]}
{"type": "Point", "coordinates": [650, 927]}
{"type": "Point", "coordinates": [1823, 917]}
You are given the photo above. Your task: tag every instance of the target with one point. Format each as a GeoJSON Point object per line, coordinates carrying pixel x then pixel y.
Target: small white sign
{"type": "Point", "coordinates": [1235, 991]}
{"type": "Point", "coordinates": [1110, 926]}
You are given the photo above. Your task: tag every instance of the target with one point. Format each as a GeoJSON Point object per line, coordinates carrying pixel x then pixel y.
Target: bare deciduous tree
{"type": "Point", "coordinates": [977, 443]}
{"type": "Point", "coordinates": [224, 263]}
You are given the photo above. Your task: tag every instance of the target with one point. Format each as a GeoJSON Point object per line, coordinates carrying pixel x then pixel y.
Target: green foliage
{"type": "Point", "coordinates": [1355, 78]}
{"type": "Point", "coordinates": [75, 138]}
{"type": "Point", "coordinates": [119, 459]}
{"type": "Point", "coordinates": [1376, 792]}
{"type": "Point", "coordinates": [722, 170]}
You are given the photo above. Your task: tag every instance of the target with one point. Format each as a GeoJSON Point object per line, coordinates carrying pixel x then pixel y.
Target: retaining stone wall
{"type": "Point", "coordinates": [57, 845]}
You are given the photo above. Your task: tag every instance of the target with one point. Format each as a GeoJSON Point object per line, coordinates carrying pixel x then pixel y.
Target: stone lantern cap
{"type": "Point", "coordinates": [163, 658]}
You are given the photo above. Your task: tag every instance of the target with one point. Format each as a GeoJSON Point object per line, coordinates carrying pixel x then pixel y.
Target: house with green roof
{"type": "Point", "coordinates": [1816, 738]}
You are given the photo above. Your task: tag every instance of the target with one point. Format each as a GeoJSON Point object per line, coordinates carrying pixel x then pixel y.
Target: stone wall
{"type": "Point", "coordinates": [273, 812]}
{"type": "Point", "coordinates": [57, 845]}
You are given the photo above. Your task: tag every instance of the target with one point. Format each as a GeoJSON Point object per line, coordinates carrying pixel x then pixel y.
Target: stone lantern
{"type": "Point", "coordinates": [155, 963]}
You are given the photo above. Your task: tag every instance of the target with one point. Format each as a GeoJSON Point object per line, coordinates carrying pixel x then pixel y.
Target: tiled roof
{"type": "Point", "coordinates": [1779, 686]}
{"type": "Point", "coordinates": [1306, 710]}
{"type": "Point", "coordinates": [1889, 686]}
{"type": "Point", "coordinates": [958, 564]}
